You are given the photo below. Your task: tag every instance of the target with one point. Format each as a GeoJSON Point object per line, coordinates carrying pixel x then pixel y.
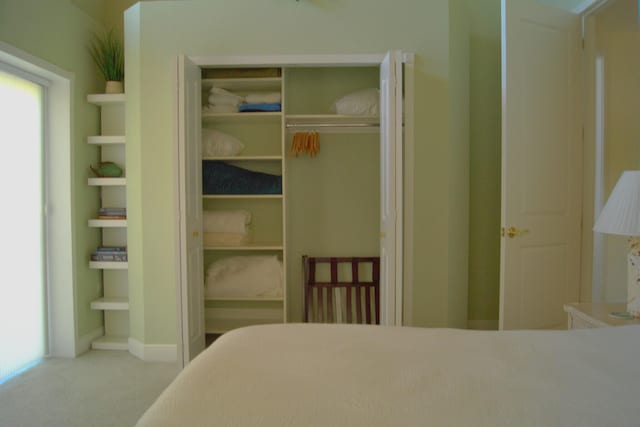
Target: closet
{"type": "Point", "coordinates": [279, 202]}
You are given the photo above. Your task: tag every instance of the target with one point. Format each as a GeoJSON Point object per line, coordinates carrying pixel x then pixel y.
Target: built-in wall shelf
{"type": "Point", "coordinates": [110, 304]}
{"type": "Point", "coordinates": [111, 192]}
{"type": "Point", "coordinates": [111, 342]}
{"type": "Point", "coordinates": [109, 265]}
{"type": "Point", "coordinates": [108, 223]}
{"type": "Point", "coordinates": [106, 139]}
{"type": "Point", "coordinates": [105, 182]}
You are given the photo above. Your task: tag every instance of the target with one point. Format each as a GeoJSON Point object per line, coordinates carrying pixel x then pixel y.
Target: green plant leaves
{"type": "Point", "coordinates": [108, 53]}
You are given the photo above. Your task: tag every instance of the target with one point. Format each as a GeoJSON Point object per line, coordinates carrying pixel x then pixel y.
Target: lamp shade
{"type": "Point", "coordinates": [621, 213]}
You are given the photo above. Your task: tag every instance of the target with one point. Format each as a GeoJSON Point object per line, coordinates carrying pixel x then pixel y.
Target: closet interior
{"type": "Point", "coordinates": [290, 167]}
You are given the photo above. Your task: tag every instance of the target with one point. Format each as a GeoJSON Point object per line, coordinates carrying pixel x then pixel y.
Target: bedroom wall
{"type": "Point", "coordinates": [157, 31]}
{"type": "Point", "coordinates": [459, 163]}
{"type": "Point", "coordinates": [485, 164]}
{"type": "Point", "coordinates": [57, 32]}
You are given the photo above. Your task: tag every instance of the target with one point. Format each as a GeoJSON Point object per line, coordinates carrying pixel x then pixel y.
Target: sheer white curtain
{"type": "Point", "coordinates": [22, 273]}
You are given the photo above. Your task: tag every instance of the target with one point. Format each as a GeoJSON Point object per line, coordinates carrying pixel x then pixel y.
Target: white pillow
{"type": "Point", "coordinates": [245, 276]}
{"type": "Point", "coordinates": [364, 102]}
{"type": "Point", "coordinates": [218, 144]}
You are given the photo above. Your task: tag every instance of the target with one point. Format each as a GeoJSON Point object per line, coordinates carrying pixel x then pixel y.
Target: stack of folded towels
{"type": "Point", "coordinates": [226, 228]}
{"type": "Point", "coordinates": [222, 101]}
{"type": "Point", "coordinates": [262, 101]}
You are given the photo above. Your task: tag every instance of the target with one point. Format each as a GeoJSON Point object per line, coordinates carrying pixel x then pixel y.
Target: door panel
{"type": "Point", "coordinates": [191, 261]}
{"type": "Point", "coordinates": [391, 157]}
{"type": "Point", "coordinates": [541, 164]}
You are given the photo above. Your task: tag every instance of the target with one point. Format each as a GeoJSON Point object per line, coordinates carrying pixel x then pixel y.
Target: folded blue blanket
{"type": "Point", "coordinates": [221, 178]}
{"type": "Point", "coordinates": [276, 106]}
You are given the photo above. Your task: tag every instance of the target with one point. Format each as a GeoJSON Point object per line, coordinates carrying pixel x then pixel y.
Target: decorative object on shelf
{"type": "Point", "coordinates": [112, 213]}
{"type": "Point", "coordinates": [110, 254]}
{"type": "Point", "coordinates": [305, 142]}
{"type": "Point", "coordinates": [621, 216]}
{"type": "Point", "coordinates": [108, 53]}
{"type": "Point", "coordinates": [107, 170]}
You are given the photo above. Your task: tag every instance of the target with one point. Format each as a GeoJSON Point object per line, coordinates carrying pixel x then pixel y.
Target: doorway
{"type": "Point", "coordinates": [612, 64]}
{"type": "Point", "coordinates": [23, 313]}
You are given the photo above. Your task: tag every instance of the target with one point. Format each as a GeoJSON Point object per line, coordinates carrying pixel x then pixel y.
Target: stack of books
{"type": "Point", "coordinates": [112, 213]}
{"type": "Point", "coordinates": [110, 253]}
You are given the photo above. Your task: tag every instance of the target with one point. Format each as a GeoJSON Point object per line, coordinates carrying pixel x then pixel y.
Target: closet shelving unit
{"type": "Point", "coordinates": [268, 210]}
{"type": "Point", "coordinates": [115, 302]}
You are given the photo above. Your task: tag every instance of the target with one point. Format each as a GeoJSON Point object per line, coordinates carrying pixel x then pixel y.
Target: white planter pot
{"type": "Point", "coordinates": [114, 87]}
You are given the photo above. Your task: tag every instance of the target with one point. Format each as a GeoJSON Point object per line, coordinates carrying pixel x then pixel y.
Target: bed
{"type": "Point", "coordinates": [359, 375]}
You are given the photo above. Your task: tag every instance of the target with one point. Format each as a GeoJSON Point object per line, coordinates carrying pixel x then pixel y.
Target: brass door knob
{"type": "Point", "coordinates": [512, 232]}
{"type": "Point", "coordinates": [195, 234]}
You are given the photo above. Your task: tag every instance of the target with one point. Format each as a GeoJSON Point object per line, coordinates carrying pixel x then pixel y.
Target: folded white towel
{"type": "Point", "coordinates": [244, 276]}
{"type": "Point", "coordinates": [224, 100]}
{"type": "Point", "coordinates": [226, 221]}
{"type": "Point", "coordinates": [222, 108]}
{"type": "Point", "coordinates": [223, 92]}
{"type": "Point", "coordinates": [263, 98]}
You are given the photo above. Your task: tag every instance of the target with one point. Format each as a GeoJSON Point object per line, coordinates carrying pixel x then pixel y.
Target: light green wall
{"type": "Point", "coordinates": [458, 163]}
{"type": "Point", "coordinates": [162, 30]}
{"type": "Point", "coordinates": [485, 143]}
{"type": "Point", "coordinates": [57, 32]}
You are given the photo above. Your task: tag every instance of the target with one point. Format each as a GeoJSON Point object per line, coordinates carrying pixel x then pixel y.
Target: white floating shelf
{"type": "Point", "coordinates": [110, 304]}
{"type": "Point", "coordinates": [242, 196]}
{"type": "Point", "coordinates": [220, 326]}
{"type": "Point", "coordinates": [248, 299]}
{"type": "Point", "coordinates": [249, 247]}
{"type": "Point", "coordinates": [106, 182]}
{"type": "Point", "coordinates": [106, 139]}
{"type": "Point", "coordinates": [108, 223]}
{"type": "Point", "coordinates": [111, 342]}
{"type": "Point", "coordinates": [109, 265]}
{"type": "Point", "coordinates": [236, 117]}
{"type": "Point", "coordinates": [106, 98]}
{"type": "Point", "coordinates": [244, 158]}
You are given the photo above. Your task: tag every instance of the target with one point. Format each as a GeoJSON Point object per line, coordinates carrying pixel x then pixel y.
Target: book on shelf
{"type": "Point", "coordinates": [111, 249]}
{"type": "Point", "coordinates": [106, 257]}
{"type": "Point", "coordinates": [112, 217]}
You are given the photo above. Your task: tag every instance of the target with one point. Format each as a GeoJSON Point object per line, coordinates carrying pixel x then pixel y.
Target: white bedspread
{"type": "Point", "coordinates": [351, 375]}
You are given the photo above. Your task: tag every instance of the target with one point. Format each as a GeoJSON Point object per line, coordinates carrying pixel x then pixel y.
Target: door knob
{"type": "Point", "coordinates": [512, 232]}
{"type": "Point", "coordinates": [195, 234]}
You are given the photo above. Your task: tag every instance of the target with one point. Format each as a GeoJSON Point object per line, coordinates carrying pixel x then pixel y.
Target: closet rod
{"type": "Point", "coordinates": [332, 125]}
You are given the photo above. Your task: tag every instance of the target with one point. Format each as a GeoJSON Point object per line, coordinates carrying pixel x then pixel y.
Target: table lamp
{"type": "Point", "coordinates": [621, 216]}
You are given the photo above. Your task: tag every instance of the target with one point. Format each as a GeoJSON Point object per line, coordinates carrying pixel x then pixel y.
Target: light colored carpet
{"type": "Point", "coordinates": [99, 388]}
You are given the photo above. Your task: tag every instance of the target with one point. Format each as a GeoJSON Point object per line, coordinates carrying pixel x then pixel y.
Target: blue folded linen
{"type": "Point", "coordinates": [276, 106]}
{"type": "Point", "coordinates": [221, 178]}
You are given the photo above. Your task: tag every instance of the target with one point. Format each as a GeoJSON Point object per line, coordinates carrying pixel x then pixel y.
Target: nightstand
{"type": "Point", "coordinates": [595, 315]}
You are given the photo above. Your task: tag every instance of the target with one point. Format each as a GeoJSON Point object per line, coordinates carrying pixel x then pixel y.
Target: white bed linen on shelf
{"type": "Point", "coordinates": [354, 375]}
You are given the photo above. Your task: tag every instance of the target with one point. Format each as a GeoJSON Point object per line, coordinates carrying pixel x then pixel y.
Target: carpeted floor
{"type": "Point", "coordinates": [99, 388]}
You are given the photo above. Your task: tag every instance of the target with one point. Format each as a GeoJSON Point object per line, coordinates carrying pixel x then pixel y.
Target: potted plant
{"type": "Point", "coordinates": [108, 54]}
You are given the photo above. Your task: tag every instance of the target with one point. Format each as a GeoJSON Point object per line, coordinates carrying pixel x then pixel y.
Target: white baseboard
{"type": "Point", "coordinates": [84, 342]}
{"type": "Point", "coordinates": [153, 352]}
{"type": "Point", "coordinates": [483, 325]}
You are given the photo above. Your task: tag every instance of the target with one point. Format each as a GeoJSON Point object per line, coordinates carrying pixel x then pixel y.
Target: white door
{"type": "Point", "coordinates": [391, 189]}
{"type": "Point", "coordinates": [191, 262]}
{"type": "Point", "coordinates": [541, 165]}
